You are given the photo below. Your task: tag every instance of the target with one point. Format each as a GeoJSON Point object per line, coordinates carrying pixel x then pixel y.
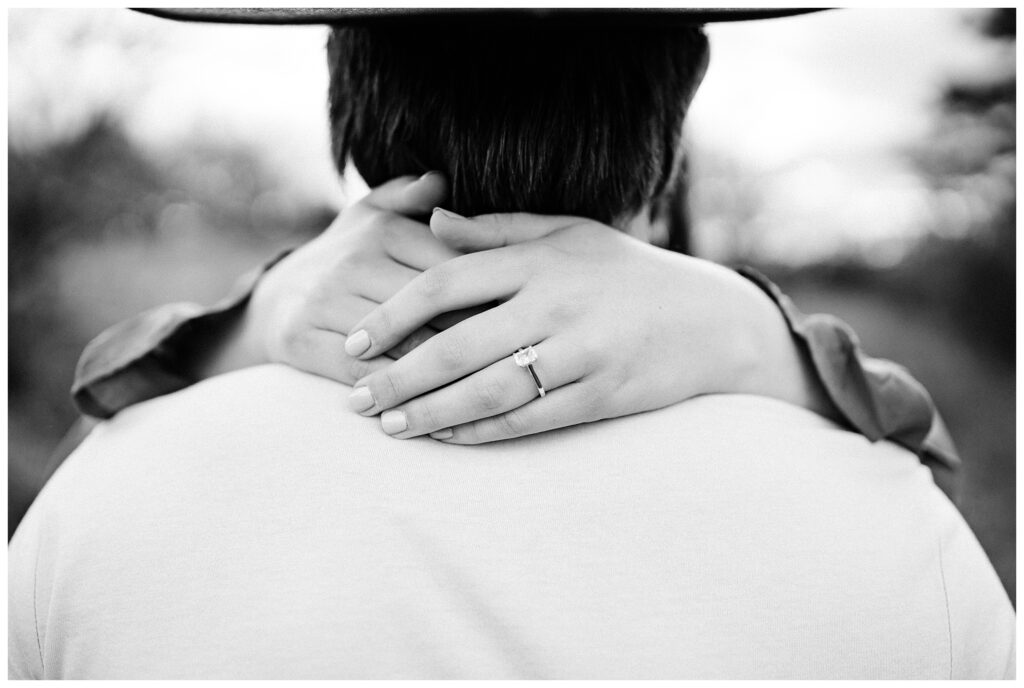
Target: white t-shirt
{"type": "Point", "coordinates": [252, 526]}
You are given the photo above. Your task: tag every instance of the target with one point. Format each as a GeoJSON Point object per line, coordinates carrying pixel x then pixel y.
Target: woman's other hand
{"type": "Point", "coordinates": [303, 308]}
{"type": "Point", "coordinates": [618, 327]}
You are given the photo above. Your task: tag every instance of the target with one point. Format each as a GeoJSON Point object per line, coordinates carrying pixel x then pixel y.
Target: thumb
{"type": "Point", "coordinates": [468, 234]}
{"type": "Point", "coordinates": [408, 195]}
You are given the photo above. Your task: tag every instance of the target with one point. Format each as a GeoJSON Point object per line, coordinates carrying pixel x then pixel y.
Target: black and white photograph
{"type": "Point", "coordinates": [511, 343]}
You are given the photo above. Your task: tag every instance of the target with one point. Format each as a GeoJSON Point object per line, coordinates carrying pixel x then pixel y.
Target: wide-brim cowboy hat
{"type": "Point", "coordinates": [380, 15]}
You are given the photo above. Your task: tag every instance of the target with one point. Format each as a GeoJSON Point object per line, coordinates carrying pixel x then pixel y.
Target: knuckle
{"type": "Point", "coordinates": [422, 417]}
{"type": "Point", "coordinates": [294, 341]}
{"type": "Point", "coordinates": [373, 216]}
{"type": "Point", "coordinates": [511, 424]}
{"type": "Point", "coordinates": [451, 352]}
{"type": "Point", "coordinates": [359, 216]}
{"type": "Point", "coordinates": [620, 376]}
{"type": "Point", "coordinates": [467, 434]}
{"type": "Point", "coordinates": [490, 396]}
{"type": "Point", "coordinates": [370, 221]}
{"type": "Point", "coordinates": [348, 264]}
{"type": "Point", "coordinates": [319, 296]}
{"type": "Point", "coordinates": [560, 312]}
{"type": "Point", "coordinates": [386, 389]}
{"type": "Point", "coordinates": [380, 322]}
{"type": "Point", "coordinates": [435, 282]}
{"type": "Point", "coordinates": [391, 233]}
{"type": "Point", "coordinates": [357, 368]}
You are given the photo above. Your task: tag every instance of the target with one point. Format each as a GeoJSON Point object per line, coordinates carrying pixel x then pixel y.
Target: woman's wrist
{"type": "Point", "coordinates": [769, 361]}
{"type": "Point", "coordinates": [232, 345]}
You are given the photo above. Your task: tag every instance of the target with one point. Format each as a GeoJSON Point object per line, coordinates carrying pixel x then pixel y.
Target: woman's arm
{"type": "Point", "coordinates": [618, 327]}
{"type": "Point", "coordinates": [305, 306]}
{"type": "Point", "coordinates": [879, 398]}
{"type": "Point", "coordinates": [294, 310]}
{"type": "Point", "coordinates": [154, 353]}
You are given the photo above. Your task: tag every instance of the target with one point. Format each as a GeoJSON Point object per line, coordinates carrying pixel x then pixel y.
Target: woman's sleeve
{"type": "Point", "coordinates": [878, 398]}
{"type": "Point", "coordinates": [141, 358]}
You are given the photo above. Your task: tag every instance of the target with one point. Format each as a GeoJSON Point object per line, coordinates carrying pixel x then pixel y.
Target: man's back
{"type": "Point", "coordinates": [251, 526]}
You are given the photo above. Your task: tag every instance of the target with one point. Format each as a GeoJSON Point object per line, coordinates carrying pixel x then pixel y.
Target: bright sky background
{"type": "Point", "coordinates": [821, 109]}
{"type": "Point", "coordinates": [817, 108]}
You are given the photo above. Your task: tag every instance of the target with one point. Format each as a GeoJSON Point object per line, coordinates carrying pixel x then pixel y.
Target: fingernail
{"type": "Point", "coordinates": [426, 174]}
{"type": "Point", "coordinates": [357, 343]}
{"type": "Point", "coordinates": [360, 399]}
{"type": "Point", "coordinates": [445, 434]}
{"type": "Point", "coordinates": [393, 422]}
{"type": "Point", "coordinates": [449, 214]}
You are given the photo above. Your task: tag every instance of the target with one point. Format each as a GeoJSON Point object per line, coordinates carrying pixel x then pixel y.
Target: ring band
{"type": "Point", "coordinates": [524, 358]}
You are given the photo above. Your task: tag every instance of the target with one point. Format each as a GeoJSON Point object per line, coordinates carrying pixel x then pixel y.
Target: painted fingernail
{"type": "Point", "coordinates": [360, 399]}
{"type": "Point", "coordinates": [445, 434]}
{"type": "Point", "coordinates": [449, 214]}
{"type": "Point", "coordinates": [357, 343]}
{"type": "Point", "coordinates": [393, 422]}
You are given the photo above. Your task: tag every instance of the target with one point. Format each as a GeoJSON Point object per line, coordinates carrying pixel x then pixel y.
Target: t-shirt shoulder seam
{"type": "Point", "coordinates": [945, 595]}
{"type": "Point", "coordinates": [35, 613]}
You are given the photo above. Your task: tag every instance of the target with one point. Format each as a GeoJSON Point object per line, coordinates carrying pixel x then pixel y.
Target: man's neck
{"type": "Point", "coordinates": [650, 230]}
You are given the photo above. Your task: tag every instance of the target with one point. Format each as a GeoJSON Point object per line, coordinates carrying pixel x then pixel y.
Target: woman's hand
{"type": "Point", "coordinates": [303, 308]}
{"type": "Point", "coordinates": [618, 326]}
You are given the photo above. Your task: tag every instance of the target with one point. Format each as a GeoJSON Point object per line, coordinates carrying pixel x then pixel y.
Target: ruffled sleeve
{"type": "Point", "coordinates": [876, 397]}
{"type": "Point", "coordinates": [139, 358]}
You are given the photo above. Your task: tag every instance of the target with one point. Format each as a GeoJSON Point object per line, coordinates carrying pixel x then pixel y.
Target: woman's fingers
{"type": "Point", "coordinates": [495, 390]}
{"type": "Point", "coordinates": [459, 351]}
{"type": "Point", "coordinates": [336, 312]}
{"type": "Point", "coordinates": [409, 195]}
{"type": "Point", "coordinates": [377, 281]}
{"type": "Point", "coordinates": [405, 240]}
{"type": "Point", "coordinates": [496, 230]}
{"type": "Point", "coordinates": [322, 352]}
{"type": "Point", "coordinates": [411, 243]}
{"type": "Point", "coordinates": [466, 281]}
{"type": "Point", "coordinates": [338, 319]}
{"type": "Point", "coordinates": [410, 343]}
{"type": "Point", "coordinates": [569, 405]}
{"type": "Point", "coordinates": [446, 320]}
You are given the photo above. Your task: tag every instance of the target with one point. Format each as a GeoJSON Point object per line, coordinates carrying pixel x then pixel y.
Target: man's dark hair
{"type": "Point", "coordinates": [534, 119]}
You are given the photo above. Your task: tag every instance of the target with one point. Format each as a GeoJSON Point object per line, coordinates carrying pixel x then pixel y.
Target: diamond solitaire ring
{"type": "Point", "coordinates": [525, 358]}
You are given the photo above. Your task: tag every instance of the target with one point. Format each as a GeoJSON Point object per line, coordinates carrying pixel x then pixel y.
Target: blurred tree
{"type": "Point", "coordinates": [73, 191]}
{"type": "Point", "coordinates": [66, 194]}
{"type": "Point", "coordinates": [965, 269]}
{"type": "Point", "coordinates": [968, 263]}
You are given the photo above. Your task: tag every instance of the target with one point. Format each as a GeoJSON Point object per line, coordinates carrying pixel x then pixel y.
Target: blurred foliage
{"type": "Point", "coordinates": [81, 190]}
{"type": "Point", "coordinates": [971, 163]}
{"type": "Point", "coordinates": [964, 265]}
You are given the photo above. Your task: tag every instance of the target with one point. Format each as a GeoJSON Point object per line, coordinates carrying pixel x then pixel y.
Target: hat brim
{"type": "Point", "coordinates": [378, 15]}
